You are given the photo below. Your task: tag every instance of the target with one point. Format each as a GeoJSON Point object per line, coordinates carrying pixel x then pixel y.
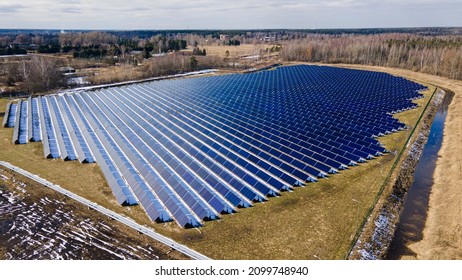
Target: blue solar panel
{"type": "Point", "coordinates": [36, 126]}
{"type": "Point", "coordinates": [115, 180]}
{"type": "Point", "coordinates": [68, 150]}
{"type": "Point", "coordinates": [177, 169]}
{"type": "Point", "coordinates": [192, 149]}
{"type": "Point", "coordinates": [12, 115]}
{"type": "Point", "coordinates": [23, 123]}
{"type": "Point", "coordinates": [76, 133]}
{"type": "Point", "coordinates": [50, 130]}
{"type": "Point", "coordinates": [157, 181]}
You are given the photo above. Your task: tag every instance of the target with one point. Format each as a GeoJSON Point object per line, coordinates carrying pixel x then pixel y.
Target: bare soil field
{"type": "Point", "coordinates": [442, 236]}
{"type": "Point", "coordinates": [38, 223]}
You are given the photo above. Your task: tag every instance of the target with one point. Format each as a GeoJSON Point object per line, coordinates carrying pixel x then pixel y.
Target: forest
{"type": "Point", "coordinates": [436, 55]}
{"type": "Point", "coordinates": [125, 55]}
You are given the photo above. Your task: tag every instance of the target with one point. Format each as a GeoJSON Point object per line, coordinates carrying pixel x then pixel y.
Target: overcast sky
{"type": "Point", "coordinates": [229, 14]}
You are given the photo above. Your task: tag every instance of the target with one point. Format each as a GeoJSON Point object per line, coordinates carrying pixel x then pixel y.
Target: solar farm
{"type": "Point", "coordinates": [194, 149]}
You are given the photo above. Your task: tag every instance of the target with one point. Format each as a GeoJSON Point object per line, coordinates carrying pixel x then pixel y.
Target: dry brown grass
{"type": "Point", "coordinates": [113, 74]}
{"type": "Point", "coordinates": [235, 51]}
{"type": "Point", "coordinates": [317, 221]}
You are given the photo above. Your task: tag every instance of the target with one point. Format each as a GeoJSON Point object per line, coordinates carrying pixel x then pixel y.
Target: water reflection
{"type": "Point", "coordinates": [410, 227]}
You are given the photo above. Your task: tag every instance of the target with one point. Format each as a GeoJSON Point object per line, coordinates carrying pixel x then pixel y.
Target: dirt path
{"type": "Point", "coordinates": [443, 230]}
{"type": "Point", "coordinates": [442, 236]}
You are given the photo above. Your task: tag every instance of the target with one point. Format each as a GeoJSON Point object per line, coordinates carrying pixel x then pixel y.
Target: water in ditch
{"type": "Point", "coordinates": [412, 222]}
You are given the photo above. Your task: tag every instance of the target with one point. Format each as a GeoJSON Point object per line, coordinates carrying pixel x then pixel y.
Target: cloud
{"type": "Point", "coordinates": [11, 8]}
{"type": "Point", "coordinates": [236, 14]}
{"type": "Point", "coordinates": [68, 10]}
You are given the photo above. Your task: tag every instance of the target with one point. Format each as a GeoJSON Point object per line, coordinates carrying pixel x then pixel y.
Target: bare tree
{"type": "Point", "coordinates": [5, 40]}
{"type": "Point", "coordinates": [22, 39]}
{"type": "Point", "coordinates": [440, 55]}
{"type": "Point", "coordinates": [41, 74]}
{"type": "Point", "coordinates": [12, 74]}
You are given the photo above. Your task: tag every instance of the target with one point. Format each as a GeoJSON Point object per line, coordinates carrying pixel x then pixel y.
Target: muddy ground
{"type": "Point", "coordinates": [37, 223]}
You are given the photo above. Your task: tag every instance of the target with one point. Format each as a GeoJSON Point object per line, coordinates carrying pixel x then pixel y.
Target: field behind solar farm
{"type": "Point", "coordinates": [317, 221]}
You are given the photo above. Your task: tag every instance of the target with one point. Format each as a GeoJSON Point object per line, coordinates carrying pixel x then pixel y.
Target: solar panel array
{"type": "Point", "coordinates": [191, 150]}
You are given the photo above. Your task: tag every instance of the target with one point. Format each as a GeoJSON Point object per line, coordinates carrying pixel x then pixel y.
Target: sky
{"type": "Point", "coordinates": [229, 14]}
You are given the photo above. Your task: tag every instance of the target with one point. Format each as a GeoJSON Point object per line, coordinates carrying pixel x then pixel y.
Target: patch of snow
{"type": "Point", "coordinates": [12, 227]}
{"type": "Point", "coordinates": [11, 199]}
{"type": "Point", "coordinates": [365, 255]}
{"type": "Point", "coordinates": [47, 230]}
{"type": "Point", "coordinates": [106, 226]}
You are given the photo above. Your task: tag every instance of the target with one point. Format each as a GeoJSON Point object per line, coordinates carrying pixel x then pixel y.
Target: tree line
{"type": "Point", "coordinates": [94, 44]}
{"type": "Point", "coordinates": [12, 51]}
{"type": "Point", "coordinates": [440, 55]}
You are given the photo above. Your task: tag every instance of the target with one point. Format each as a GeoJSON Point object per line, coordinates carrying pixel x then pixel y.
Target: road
{"type": "Point", "coordinates": [113, 215]}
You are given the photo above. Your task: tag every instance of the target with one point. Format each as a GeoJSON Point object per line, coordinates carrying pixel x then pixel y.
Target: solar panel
{"type": "Point", "coordinates": [193, 149]}
{"type": "Point", "coordinates": [116, 182]}
{"type": "Point", "coordinates": [23, 136]}
{"type": "Point", "coordinates": [51, 141]}
{"type": "Point", "coordinates": [35, 123]}
{"type": "Point", "coordinates": [11, 116]}
{"type": "Point", "coordinates": [17, 121]}
{"type": "Point", "coordinates": [65, 143]}
{"type": "Point", "coordinates": [7, 114]}
{"type": "Point", "coordinates": [79, 141]}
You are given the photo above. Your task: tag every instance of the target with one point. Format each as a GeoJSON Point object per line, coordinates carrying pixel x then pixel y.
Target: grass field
{"type": "Point", "coordinates": [318, 221]}
{"type": "Point", "coordinates": [236, 51]}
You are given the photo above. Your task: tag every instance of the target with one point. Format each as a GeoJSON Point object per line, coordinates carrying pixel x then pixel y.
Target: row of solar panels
{"type": "Point", "coordinates": [22, 116]}
{"type": "Point", "coordinates": [188, 191]}
{"type": "Point", "coordinates": [192, 149]}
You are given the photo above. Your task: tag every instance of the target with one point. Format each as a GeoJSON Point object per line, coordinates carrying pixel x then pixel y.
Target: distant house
{"type": "Point", "coordinates": [72, 78]}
